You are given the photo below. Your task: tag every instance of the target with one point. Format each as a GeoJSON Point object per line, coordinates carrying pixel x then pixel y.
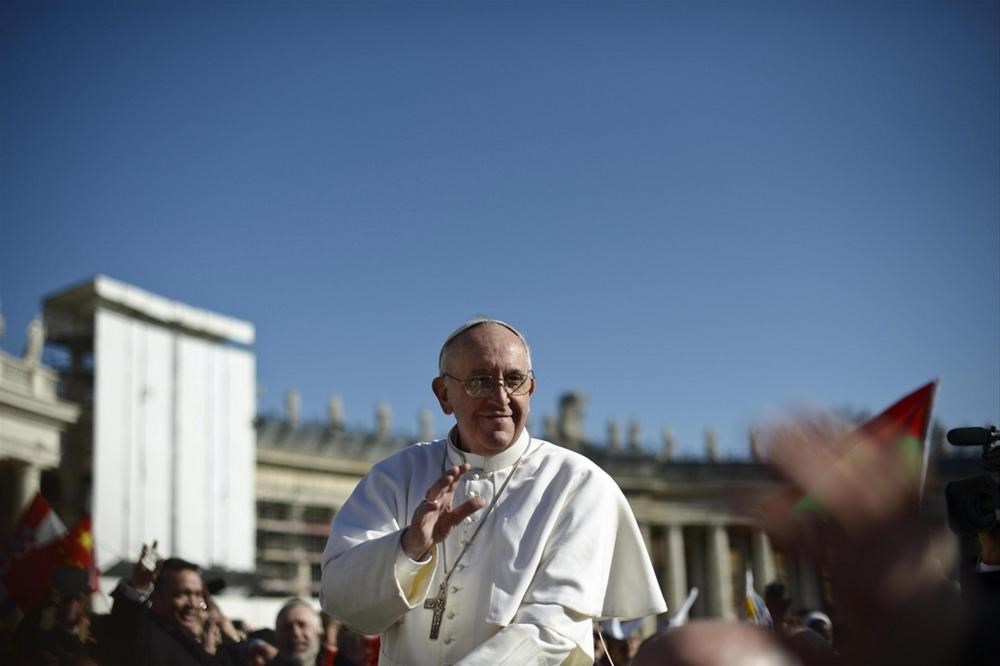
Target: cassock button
{"type": "Point", "coordinates": [475, 477]}
{"type": "Point", "coordinates": [455, 588]}
{"type": "Point", "coordinates": [449, 640]}
{"type": "Point", "coordinates": [451, 615]}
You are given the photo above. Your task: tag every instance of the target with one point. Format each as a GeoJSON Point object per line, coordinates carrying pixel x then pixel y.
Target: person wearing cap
{"type": "Point", "coordinates": [489, 546]}
{"type": "Point", "coordinates": [820, 622]}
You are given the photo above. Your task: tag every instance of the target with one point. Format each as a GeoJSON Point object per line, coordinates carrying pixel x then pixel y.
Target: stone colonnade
{"type": "Point", "coordinates": [32, 420]}
{"type": "Point", "coordinates": [711, 556]}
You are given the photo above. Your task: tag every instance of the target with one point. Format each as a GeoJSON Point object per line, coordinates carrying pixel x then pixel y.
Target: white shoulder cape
{"type": "Point", "coordinates": [563, 533]}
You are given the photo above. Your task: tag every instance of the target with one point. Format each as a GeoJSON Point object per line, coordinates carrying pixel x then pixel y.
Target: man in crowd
{"type": "Point", "coordinates": [297, 633]}
{"type": "Point", "coordinates": [489, 546]}
{"type": "Point", "coordinates": [169, 629]}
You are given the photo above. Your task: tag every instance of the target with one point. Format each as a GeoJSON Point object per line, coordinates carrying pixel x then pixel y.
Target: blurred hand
{"type": "Point", "coordinates": [885, 565]}
{"type": "Point", "coordinates": [260, 653]}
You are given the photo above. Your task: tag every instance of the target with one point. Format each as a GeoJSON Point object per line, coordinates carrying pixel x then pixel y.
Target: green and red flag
{"type": "Point", "coordinates": [900, 429]}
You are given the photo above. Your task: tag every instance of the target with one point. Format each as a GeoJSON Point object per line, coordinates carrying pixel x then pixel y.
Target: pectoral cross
{"type": "Point", "coordinates": [436, 604]}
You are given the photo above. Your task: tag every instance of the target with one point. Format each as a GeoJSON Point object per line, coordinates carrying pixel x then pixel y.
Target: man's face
{"type": "Point", "coordinates": [489, 424]}
{"type": "Point", "coordinates": [297, 633]}
{"type": "Point", "coordinates": [179, 599]}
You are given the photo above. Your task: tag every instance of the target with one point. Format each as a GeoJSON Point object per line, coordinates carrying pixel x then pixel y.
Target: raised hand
{"type": "Point", "coordinates": [142, 576]}
{"type": "Point", "coordinates": [435, 517]}
{"type": "Point", "coordinates": [884, 560]}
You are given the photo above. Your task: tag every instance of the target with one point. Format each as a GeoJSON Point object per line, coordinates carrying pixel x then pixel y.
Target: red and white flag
{"type": "Point", "coordinates": [38, 525]}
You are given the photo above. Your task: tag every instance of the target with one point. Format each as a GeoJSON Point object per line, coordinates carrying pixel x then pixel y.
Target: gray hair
{"type": "Point", "coordinates": [292, 604]}
{"type": "Point", "coordinates": [307, 657]}
{"type": "Point", "coordinates": [472, 323]}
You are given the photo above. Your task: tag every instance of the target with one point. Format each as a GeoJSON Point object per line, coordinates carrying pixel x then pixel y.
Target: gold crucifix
{"type": "Point", "coordinates": [437, 604]}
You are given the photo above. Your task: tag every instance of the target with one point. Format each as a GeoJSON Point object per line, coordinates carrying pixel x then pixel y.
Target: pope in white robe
{"type": "Point", "coordinates": [533, 540]}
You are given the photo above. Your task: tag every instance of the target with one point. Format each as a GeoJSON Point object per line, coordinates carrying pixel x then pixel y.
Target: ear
{"type": "Point", "coordinates": [440, 388]}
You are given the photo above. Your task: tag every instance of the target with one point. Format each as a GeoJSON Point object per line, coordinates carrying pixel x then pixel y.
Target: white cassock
{"type": "Point", "coordinates": [559, 548]}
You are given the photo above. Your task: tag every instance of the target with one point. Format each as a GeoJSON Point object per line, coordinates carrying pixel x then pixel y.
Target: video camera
{"type": "Point", "coordinates": [974, 503]}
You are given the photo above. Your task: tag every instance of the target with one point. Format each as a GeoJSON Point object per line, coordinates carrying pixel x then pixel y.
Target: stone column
{"type": "Point", "coordinates": [383, 419]}
{"type": "Point", "coordinates": [808, 587]}
{"type": "Point", "coordinates": [697, 572]}
{"type": "Point", "coordinates": [293, 406]}
{"type": "Point", "coordinates": [28, 479]}
{"type": "Point", "coordinates": [614, 436]}
{"type": "Point", "coordinates": [763, 559]}
{"type": "Point", "coordinates": [669, 444]}
{"type": "Point", "coordinates": [303, 572]}
{"type": "Point", "coordinates": [551, 428]}
{"type": "Point", "coordinates": [425, 422]}
{"type": "Point", "coordinates": [674, 583]}
{"type": "Point", "coordinates": [634, 437]}
{"type": "Point", "coordinates": [335, 412]}
{"type": "Point", "coordinates": [720, 578]}
{"type": "Point", "coordinates": [711, 445]}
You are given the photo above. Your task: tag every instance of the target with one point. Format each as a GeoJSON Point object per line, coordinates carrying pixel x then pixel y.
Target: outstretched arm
{"type": "Point", "coordinates": [376, 566]}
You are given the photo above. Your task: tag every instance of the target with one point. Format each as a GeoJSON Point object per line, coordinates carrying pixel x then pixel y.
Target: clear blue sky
{"type": "Point", "coordinates": [700, 214]}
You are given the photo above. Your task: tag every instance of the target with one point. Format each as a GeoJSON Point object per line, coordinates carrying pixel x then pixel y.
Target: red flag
{"type": "Point", "coordinates": [902, 426]}
{"type": "Point", "coordinates": [29, 578]}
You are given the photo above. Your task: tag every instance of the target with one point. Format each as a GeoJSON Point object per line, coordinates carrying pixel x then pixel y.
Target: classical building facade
{"type": "Point", "coordinates": [33, 420]}
{"type": "Point", "coordinates": [686, 508]}
{"type": "Point", "coordinates": [151, 424]}
{"type": "Point", "coordinates": [695, 539]}
{"type": "Point", "coordinates": [305, 472]}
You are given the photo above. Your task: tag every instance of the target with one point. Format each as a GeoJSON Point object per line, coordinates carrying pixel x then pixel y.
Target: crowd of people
{"type": "Point", "coordinates": [164, 615]}
{"type": "Point", "coordinates": [410, 566]}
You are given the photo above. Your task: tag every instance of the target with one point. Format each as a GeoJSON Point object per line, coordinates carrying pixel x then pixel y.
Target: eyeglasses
{"type": "Point", "coordinates": [480, 386]}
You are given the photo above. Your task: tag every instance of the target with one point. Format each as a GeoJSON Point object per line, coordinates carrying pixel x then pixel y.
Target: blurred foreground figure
{"type": "Point", "coordinates": [714, 643]}
{"type": "Point", "coordinates": [61, 630]}
{"type": "Point", "coordinates": [857, 516]}
{"type": "Point", "coordinates": [489, 546]}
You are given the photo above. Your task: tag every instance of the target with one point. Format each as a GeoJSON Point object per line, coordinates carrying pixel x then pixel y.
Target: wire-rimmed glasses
{"type": "Point", "coordinates": [480, 386]}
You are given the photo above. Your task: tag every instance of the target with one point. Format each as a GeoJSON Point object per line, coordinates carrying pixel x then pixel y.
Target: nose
{"type": "Point", "coordinates": [195, 601]}
{"type": "Point", "coordinates": [499, 393]}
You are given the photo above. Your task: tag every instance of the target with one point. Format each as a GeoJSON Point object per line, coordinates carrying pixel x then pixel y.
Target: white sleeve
{"type": "Point", "coordinates": [367, 581]}
{"type": "Point", "coordinates": [412, 577]}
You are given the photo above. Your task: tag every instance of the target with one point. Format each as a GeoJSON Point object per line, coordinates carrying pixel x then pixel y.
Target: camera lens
{"type": "Point", "coordinates": [971, 504]}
